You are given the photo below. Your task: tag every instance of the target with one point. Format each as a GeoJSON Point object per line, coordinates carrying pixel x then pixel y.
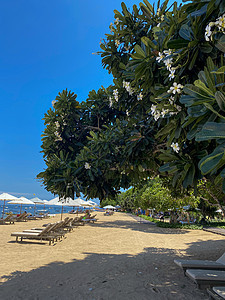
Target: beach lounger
{"type": "Point", "coordinates": [206, 278]}
{"type": "Point", "coordinates": [217, 293]}
{"type": "Point", "coordinates": [185, 264]}
{"type": "Point", "coordinates": [42, 235]}
{"type": "Point", "coordinates": [77, 221]}
{"type": "Point", "coordinates": [8, 219]}
{"type": "Point", "coordinates": [21, 218]}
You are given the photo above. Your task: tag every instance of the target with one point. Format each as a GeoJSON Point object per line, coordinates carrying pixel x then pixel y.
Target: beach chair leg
{"type": "Point", "coordinates": [17, 239]}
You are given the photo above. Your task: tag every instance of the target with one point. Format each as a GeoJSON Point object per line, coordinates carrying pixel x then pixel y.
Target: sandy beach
{"type": "Point", "coordinates": [115, 258]}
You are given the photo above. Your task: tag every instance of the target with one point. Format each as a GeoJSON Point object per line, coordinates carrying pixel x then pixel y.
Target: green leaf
{"type": "Point", "coordinates": [177, 44]}
{"type": "Point", "coordinates": [139, 51]}
{"type": "Point", "coordinates": [188, 180]}
{"type": "Point", "coordinates": [221, 44]}
{"type": "Point", "coordinates": [207, 105]}
{"type": "Point", "coordinates": [186, 32]}
{"type": "Point", "coordinates": [220, 70]}
{"type": "Point", "coordinates": [210, 162]}
{"type": "Point", "coordinates": [220, 98]}
{"type": "Point", "coordinates": [211, 130]}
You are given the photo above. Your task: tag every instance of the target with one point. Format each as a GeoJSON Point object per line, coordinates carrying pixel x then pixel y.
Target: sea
{"type": "Point", "coordinates": [35, 209]}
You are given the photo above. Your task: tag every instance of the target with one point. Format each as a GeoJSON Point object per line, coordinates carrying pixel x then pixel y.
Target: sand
{"type": "Point", "coordinates": [115, 258]}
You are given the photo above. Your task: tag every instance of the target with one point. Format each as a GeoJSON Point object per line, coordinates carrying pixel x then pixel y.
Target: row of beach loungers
{"type": "Point", "coordinates": [206, 274]}
{"type": "Point", "coordinates": [11, 219]}
{"type": "Point", "coordinates": [53, 231]}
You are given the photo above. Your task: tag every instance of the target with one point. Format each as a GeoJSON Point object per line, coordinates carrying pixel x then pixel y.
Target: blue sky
{"type": "Point", "coordinates": [46, 46]}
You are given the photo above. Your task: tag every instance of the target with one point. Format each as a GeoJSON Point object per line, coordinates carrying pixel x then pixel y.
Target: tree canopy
{"type": "Point", "coordinates": [164, 114]}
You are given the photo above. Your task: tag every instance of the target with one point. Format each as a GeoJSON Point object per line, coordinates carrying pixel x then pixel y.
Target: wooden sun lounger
{"type": "Point", "coordinates": [8, 220]}
{"type": "Point", "coordinates": [206, 278]}
{"type": "Point", "coordinates": [45, 234]}
{"type": "Point", "coordinates": [21, 218]}
{"type": "Point", "coordinates": [77, 221]}
{"type": "Point", "coordinates": [91, 219]}
{"type": "Point", "coordinates": [185, 264]}
{"type": "Point", "coordinates": [217, 293]}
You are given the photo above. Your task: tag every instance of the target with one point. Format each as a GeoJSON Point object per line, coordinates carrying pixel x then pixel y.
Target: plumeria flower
{"type": "Point", "coordinates": [87, 166]}
{"type": "Point", "coordinates": [175, 147]}
{"type": "Point", "coordinates": [158, 25]}
{"type": "Point", "coordinates": [156, 115]}
{"type": "Point", "coordinates": [140, 96]}
{"type": "Point", "coordinates": [160, 57]}
{"type": "Point", "coordinates": [117, 43]}
{"type": "Point", "coordinates": [164, 112]}
{"type": "Point", "coordinates": [153, 109]}
{"type": "Point", "coordinates": [115, 94]}
{"type": "Point", "coordinates": [171, 100]}
{"type": "Point", "coordinates": [53, 102]}
{"type": "Point", "coordinates": [221, 22]}
{"type": "Point", "coordinates": [172, 74]}
{"type": "Point", "coordinates": [127, 113]}
{"type": "Point", "coordinates": [158, 11]}
{"type": "Point", "coordinates": [117, 21]}
{"type": "Point", "coordinates": [57, 124]}
{"type": "Point", "coordinates": [208, 33]}
{"type": "Point", "coordinates": [176, 88]}
{"type": "Point", "coordinates": [168, 52]}
{"type": "Point", "coordinates": [110, 102]}
{"type": "Point", "coordinates": [162, 17]}
{"type": "Point", "coordinates": [168, 63]}
{"type": "Point", "coordinates": [59, 138]}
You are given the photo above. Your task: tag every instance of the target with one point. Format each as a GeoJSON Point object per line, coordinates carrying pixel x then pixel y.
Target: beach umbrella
{"type": "Point", "coordinates": [109, 207]}
{"type": "Point", "coordinates": [92, 203]}
{"type": "Point", "coordinates": [63, 202]}
{"type": "Point", "coordinates": [6, 197]}
{"type": "Point", "coordinates": [36, 200]}
{"type": "Point", "coordinates": [81, 202]}
{"type": "Point", "coordinates": [21, 201]}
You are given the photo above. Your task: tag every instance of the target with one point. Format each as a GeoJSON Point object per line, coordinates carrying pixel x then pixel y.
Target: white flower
{"type": "Point", "coordinates": [117, 21]}
{"type": "Point", "coordinates": [140, 96]}
{"type": "Point", "coordinates": [153, 109]}
{"type": "Point", "coordinates": [168, 63]}
{"type": "Point", "coordinates": [127, 113]}
{"type": "Point", "coordinates": [168, 52]}
{"type": "Point", "coordinates": [158, 11]}
{"type": "Point", "coordinates": [175, 147]}
{"type": "Point", "coordinates": [172, 74]}
{"type": "Point", "coordinates": [57, 124]}
{"type": "Point", "coordinates": [176, 88]}
{"type": "Point", "coordinates": [59, 138]}
{"type": "Point", "coordinates": [158, 25]}
{"type": "Point", "coordinates": [156, 115]}
{"type": "Point", "coordinates": [162, 17]}
{"type": "Point", "coordinates": [110, 102]}
{"type": "Point", "coordinates": [164, 112]}
{"type": "Point", "coordinates": [160, 57]}
{"type": "Point", "coordinates": [53, 102]}
{"type": "Point", "coordinates": [171, 100]}
{"type": "Point", "coordinates": [117, 43]}
{"type": "Point", "coordinates": [87, 166]}
{"type": "Point", "coordinates": [208, 33]}
{"type": "Point", "coordinates": [221, 22]}
{"type": "Point", "coordinates": [115, 94]}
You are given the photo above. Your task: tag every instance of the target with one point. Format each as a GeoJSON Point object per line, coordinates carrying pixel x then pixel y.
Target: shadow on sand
{"type": "Point", "coordinates": [147, 275]}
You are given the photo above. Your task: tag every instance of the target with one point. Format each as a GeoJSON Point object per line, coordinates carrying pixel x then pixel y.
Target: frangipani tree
{"type": "Point", "coordinates": [165, 112]}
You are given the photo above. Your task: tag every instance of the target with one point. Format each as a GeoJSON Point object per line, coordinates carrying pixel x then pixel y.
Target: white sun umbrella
{"type": "Point", "coordinates": [21, 201]}
{"type": "Point", "coordinates": [63, 202]}
{"type": "Point", "coordinates": [81, 202]}
{"type": "Point", "coordinates": [6, 197]}
{"type": "Point", "coordinates": [92, 203]}
{"type": "Point", "coordinates": [36, 200]}
{"type": "Point", "coordinates": [109, 207]}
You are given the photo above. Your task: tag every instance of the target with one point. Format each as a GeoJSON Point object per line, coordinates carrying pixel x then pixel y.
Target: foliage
{"type": "Point", "coordinates": [164, 114]}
